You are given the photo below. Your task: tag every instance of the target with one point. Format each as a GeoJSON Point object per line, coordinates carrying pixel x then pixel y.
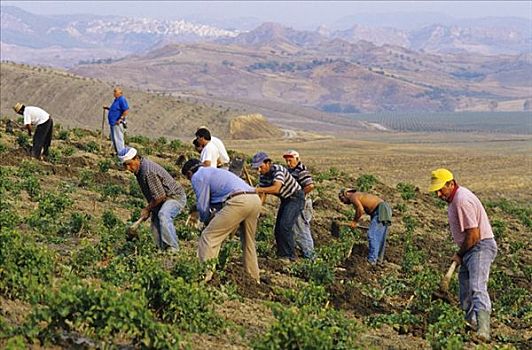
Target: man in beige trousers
{"type": "Point", "coordinates": [225, 203]}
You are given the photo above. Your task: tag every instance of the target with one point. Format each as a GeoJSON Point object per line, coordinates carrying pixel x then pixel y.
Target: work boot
{"type": "Point", "coordinates": [483, 319]}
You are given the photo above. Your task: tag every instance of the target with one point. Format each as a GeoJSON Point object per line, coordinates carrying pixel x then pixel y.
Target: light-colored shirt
{"type": "Point", "coordinates": [213, 185]}
{"type": "Point", "coordinates": [224, 157]}
{"type": "Point", "coordinates": [35, 115]}
{"type": "Point", "coordinates": [465, 212]}
{"type": "Point", "coordinates": [210, 152]}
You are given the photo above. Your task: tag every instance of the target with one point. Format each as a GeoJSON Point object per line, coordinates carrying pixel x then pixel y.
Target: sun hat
{"type": "Point", "coordinates": [258, 159]}
{"type": "Point", "coordinates": [291, 154]}
{"type": "Point", "coordinates": [17, 107]}
{"type": "Point", "coordinates": [126, 153]}
{"type": "Point", "coordinates": [439, 178]}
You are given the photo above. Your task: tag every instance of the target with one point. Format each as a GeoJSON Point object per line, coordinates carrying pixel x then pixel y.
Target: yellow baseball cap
{"type": "Point", "coordinates": [439, 178]}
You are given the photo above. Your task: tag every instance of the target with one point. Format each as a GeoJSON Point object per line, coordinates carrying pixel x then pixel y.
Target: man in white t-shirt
{"type": "Point", "coordinates": [214, 153]}
{"type": "Point", "coordinates": [42, 138]}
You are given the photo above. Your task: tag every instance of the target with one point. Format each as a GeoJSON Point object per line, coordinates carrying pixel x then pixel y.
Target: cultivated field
{"type": "Point", "coordinates": [69, 278]}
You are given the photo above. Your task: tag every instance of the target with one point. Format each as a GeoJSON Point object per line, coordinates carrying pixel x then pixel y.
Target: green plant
{"type": "Point", "coordinates": [110, 220]}
{"type": "Point", "coordinates": [23, 140]}
{"type": "Point", "coordinates": [68, 151]}
{"type": "Point", "coordinates": [408, 191]}
{"type": "Point", "coordinates": [54, 155]}
{"type": "Point", "coordinates": [32, 186]}
{"type": "Point", "coordinates": [85, 178]}
{"type": "Point", "coordinates": [76, 224]}
{"type": "Point", "coordinates": [446, 324]}
{"type": "Point", "coordinates": [187, 304]}
{"type": "Point", "coordinates": [309, 328]}
{"type": "Point", "coordinates": [403, 322]}
{"type": "Point", "coordinates": [175, 145]}
{"type": "Point", "coordinates": [91, 147]}
{"type": "Point", "coordinates": [63, 135]}
{"type": "Point", "coordinates": [365, 182]}
{"type": "Point", "coordinates": [141, 140]}
{"type": "Point", "coordinates": [27, 268]}
{"type": "Point", "coordinates": [110, 190]}
{"type": "Point", "coordinates": [51, 207]}
{"type": "Point", "coordinates": [104, 165]}
{"type": "Point", "coordinates": [3, 148]}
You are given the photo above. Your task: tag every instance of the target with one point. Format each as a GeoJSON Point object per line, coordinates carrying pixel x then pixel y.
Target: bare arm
{"type": "Point", "coordinates": [28, 127]}
{"type": "Point", "coordinates": [472, 237]}
{"type": "Point", "coordinates": [359, 209]}
{"type": "Point", "coordinates": [308, 188]}
{"type": "Point", "coordinates": [206, 163]}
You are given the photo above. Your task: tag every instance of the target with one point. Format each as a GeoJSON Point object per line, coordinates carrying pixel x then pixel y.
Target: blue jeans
{"type": "Point", "coordinates": [289, 210]}
{"type": "Point", "coordinates": [117, 136]}
{"type": "Point", "coordinates": [302, 234]}
{"type": "Point", "coordinates": [473, 278]}
{"type": "Point", "coordinates": [162, 223]}
{"type": "Point", "coordinates": [377, 233]}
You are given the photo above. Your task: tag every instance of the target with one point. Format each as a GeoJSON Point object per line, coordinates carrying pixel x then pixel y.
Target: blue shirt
{"type": "Point", "coordinates": [116, 110]}
{"type": "Point", "coordinates": [213, 185]}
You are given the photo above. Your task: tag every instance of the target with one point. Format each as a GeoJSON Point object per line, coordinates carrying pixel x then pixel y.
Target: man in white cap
{"type": "Point", "coordinates": [166, 198]}
{"type": "Point", "coordinates": [42, 138]}
{"type": "Point", "coordinates": [472, 232]}
{"type": "Point", "coordinates": [302, 233]}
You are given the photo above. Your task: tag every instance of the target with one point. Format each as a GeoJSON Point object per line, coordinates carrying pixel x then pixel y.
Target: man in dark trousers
{"type": "Point", "coordinates": [42, 138]}
{"type": "Point", "coordinates": [275, 179]}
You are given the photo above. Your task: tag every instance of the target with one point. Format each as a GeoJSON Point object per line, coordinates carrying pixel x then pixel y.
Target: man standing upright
{"type": "Point", "coordinates": [166, 198]}
{"type": "Point", "coordinates": [213, 153]}
{"type": "Point", "coordinates": [239, 206]}
{"type": "Point", "coordinates": [471, 231]}
{"type": "Point", "coordinates": [42, 138]}
{"type": "Point", "coordinates": [302, 233]}
{"type": "Point", "coordinates": [275, 179]}
{"type": "Point", "coordinates": [118, 112]}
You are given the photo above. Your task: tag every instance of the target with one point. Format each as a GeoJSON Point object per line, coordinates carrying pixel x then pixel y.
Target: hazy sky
{"type": "Point", "coordinates": [295, 13]}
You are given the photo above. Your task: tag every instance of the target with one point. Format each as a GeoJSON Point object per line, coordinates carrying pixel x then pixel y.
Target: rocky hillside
{"type": "Point", "coordinates": [77, 101]}
{"type": "Point", "coordinates": [71, 279]}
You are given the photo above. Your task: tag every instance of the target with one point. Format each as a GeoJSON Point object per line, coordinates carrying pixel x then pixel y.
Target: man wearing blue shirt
{"type": "Point", "coordinates": [117, 118]}
{"type": "Point", "coordinates": [240, 207]}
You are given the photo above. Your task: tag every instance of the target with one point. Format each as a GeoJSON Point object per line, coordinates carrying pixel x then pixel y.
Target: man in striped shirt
{"type": "Point", "coordinates": [302, 234]}
{"type": "Point", "coordinates": [166, 198]}
{"type": "Point", "coordinates": [275, 179]}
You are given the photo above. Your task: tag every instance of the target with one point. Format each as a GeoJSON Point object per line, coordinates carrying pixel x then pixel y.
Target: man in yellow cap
{"type": "Point", "coordinates": [42, 138]}
{"type": "Point", "coordinates": [472, 232]}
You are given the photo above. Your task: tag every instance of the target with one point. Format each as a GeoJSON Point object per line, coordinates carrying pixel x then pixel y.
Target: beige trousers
{"type": "Point", "coordinates": [240, 211]}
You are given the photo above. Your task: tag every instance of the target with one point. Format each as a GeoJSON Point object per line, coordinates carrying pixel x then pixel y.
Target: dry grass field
{"type": "Point", "coordinates": [491, 165]}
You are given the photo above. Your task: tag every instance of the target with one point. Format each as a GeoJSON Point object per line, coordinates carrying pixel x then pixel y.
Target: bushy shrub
{"type": "Point", "coordinates": [175, 145]}
{"type": "Point", "coordinates": [188, 305]}
{"type": "Point", "coordinates": [446, 324]}
{"type": "Point", "coordinates": [102, 311]}
{"type": "Point", "coordinates": [26, 268]}
{"type": "Point", "coordinates": [141, 140]}
{"type": "Point", "coordinates": [365, 182]}
{"type": "Point", "coordinates": [104, 165]}
{"type": "Point", "coordinates": [309, 328]}
{"type": "Point", "coordinates": [408, 191]}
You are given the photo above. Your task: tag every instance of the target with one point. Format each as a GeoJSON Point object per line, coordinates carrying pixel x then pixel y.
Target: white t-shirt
{"type": "Point", "coordinates": [210, 152]}
{"type": "Point", "coordinates": [35, 115]}
{"type": "Point", "coordinates": [224, 157]}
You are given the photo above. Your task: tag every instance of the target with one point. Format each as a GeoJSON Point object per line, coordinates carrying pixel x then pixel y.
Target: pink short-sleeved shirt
{"type": "Point", "coordinates": [466, 211]}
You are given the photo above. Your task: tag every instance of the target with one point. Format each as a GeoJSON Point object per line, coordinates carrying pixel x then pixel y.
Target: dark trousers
{"type": "Point", "coordinates": [42, 138]}
{"type": "Point", "coordinates": [289, 210]}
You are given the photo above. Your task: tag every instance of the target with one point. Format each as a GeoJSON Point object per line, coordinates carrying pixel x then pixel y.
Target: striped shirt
{"type": "Point", "coordinates": [280, 173]}
{"type": "Point", "coordinates": [302, 175]}
{"type": "Point", "coordinates": [155, 182]}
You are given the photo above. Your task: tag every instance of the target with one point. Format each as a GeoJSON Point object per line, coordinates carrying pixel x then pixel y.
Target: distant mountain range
{"type": "Point", "coordinates": [35, 39]}
{"type": "Point", "coordinates": [486, 65]}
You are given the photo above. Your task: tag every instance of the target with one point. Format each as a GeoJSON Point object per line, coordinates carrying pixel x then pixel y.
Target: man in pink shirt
{"type": "Point", "coordinates": [472, 233]}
